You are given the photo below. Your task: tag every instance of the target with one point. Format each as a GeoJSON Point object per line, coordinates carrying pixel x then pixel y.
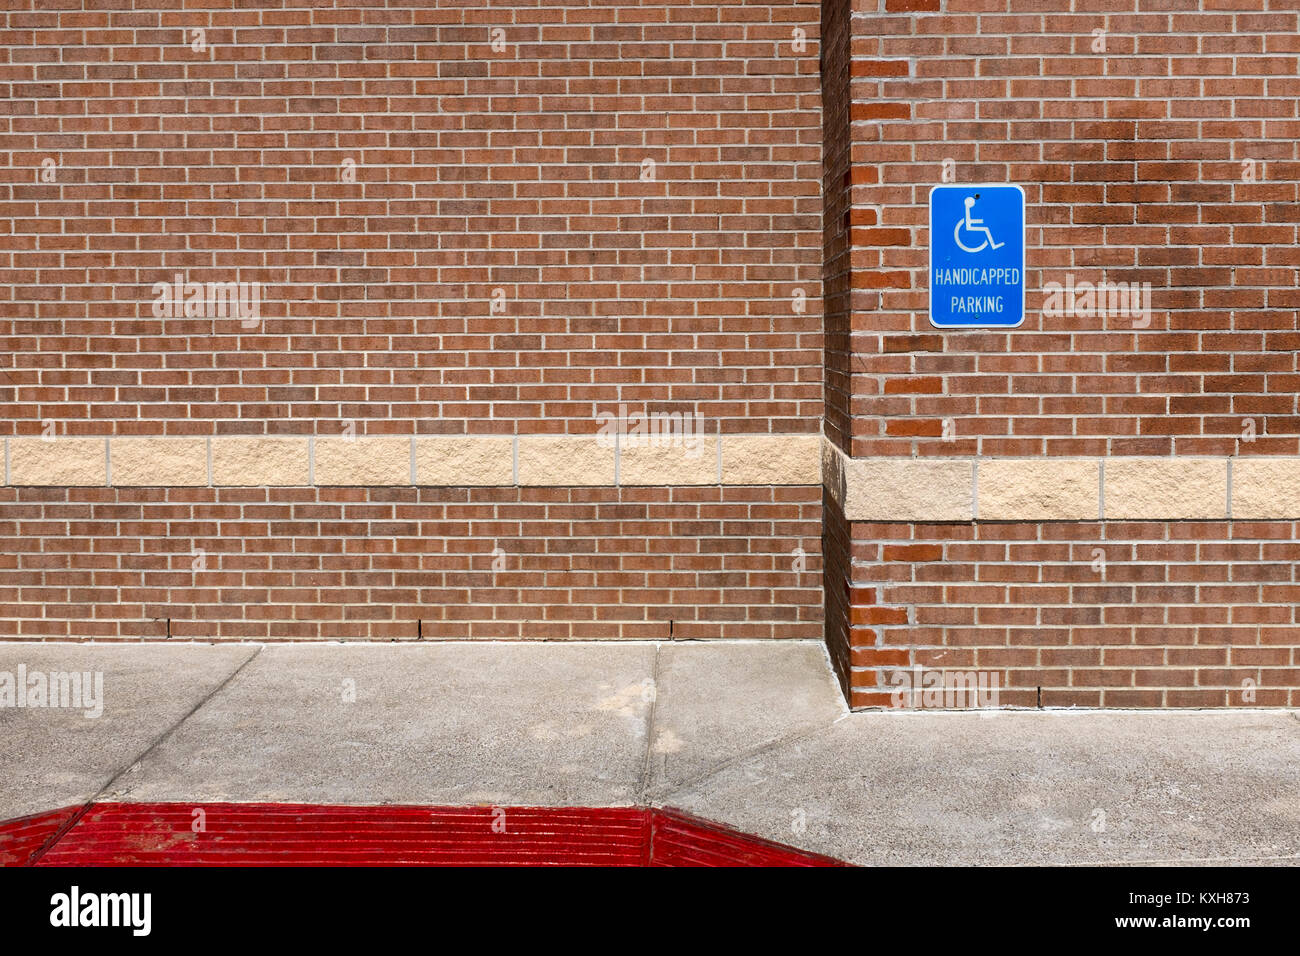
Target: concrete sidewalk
{"type": "Point", "coordinates": [754, 735]}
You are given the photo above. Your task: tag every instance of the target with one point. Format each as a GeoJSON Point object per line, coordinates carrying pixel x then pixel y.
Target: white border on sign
{"type": "Point", "coordinates": [929, 274]}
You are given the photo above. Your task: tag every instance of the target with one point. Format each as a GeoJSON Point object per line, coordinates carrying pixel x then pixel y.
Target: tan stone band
{"type": "Point", "coordinates": [434, 460]}
{"type": "Point", "coordinates": [880, 489]}
{"type": "Point", "coordinates": [1062, 489]}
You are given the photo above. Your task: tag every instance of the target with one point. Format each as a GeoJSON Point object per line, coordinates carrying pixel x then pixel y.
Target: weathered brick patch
{"type": "Point", "coordinates": [1088, 614]}
{"type": "Point", "coordinates": [405, 563]}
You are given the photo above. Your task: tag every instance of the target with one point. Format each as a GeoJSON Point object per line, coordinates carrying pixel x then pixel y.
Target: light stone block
{"type": "Point", "coordinates": [908, 489]}
{"type": "Point", "coordinates": [260, 460]}
{"type": "Point", "coordinates": [695, 463]}
{"type": "Point", "coordinates": [59, 461]}
{"type": "Point", "coordinates": [159, 462]}
{"type": "Point", "coordinates": [1265, 488]}
{"type": "Point", "coordinates": [1039, 489]}
{"type": "Point", "coordinates": [771, 459]}
{"type": "Point", "coordinates": [363, 461]}
{"type": "Point", "coordinates": [565, 461]}
{"type": "Point", "coordinates": [1166, 488]}
{"type": "Point", "coordinates": [464, 461]}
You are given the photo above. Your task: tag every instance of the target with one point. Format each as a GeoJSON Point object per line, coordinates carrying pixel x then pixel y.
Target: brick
{"type": "Point", "coordinates": [512, 278]}
{"type": "Point", "coordinates": [1091, 643]}
{"type": "Point", "coordinates": [344, 577]}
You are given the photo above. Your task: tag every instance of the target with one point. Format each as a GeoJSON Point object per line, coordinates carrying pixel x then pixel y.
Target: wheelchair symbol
{"type": "Point", "coordinates": [974, 225]}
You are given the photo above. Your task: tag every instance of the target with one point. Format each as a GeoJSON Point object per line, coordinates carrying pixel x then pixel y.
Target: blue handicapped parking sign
{"type": "Point", "coordinates": [977, 256]}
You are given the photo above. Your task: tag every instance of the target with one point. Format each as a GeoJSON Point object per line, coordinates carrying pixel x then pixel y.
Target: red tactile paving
{"type": "Point", "coordinates": [269, 834]}
{"type": "Point", "coordinates": [681, 840]}
{"type": "Point", "coordinates": [305, 835]}
{"type": "Point", "coordinates": [22, 839]}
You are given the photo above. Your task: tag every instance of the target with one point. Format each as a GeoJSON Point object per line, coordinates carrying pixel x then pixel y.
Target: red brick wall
{"type": "Point", "coordinates": [1156, 143]}
{"type": "Point", "coordinates": [837, 177]}
{"type": "Point", "coordinates": [479, 217]}
{"type": "Point", "coordinates": [476, 169]}
{"type": "Point", "coordinates": [1169, 158]}
{"type": "Point", "coordinates": [368, 563]}
{"type": "Point", "coordinates": [837, 575]}
{"type": "Point", "coordinates": [508, 218]}
{"type": "Point", "coordinates": [1086, 614]}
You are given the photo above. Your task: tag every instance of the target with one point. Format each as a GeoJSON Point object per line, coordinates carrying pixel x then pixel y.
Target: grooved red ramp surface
{"type": "Point", "coordinates": [244, 834]}
{"type": "Point", "coordinates": [680, 840]}
{"type": "Point", "coordinates": [21, 839]}
{"type": "Point", "coordinates": [261, 834]}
